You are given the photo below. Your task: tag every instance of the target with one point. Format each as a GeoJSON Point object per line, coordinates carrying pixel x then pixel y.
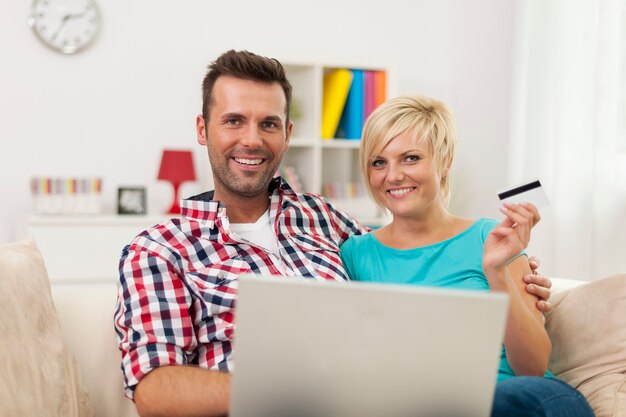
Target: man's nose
{"type": "Point", "coordinates": [252, 137]}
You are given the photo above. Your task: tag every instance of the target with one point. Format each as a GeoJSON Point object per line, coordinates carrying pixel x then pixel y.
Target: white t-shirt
{"type": "Point", "coordinates": [261, 233]}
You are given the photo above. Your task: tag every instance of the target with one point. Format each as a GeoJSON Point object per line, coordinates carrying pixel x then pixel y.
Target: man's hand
{"type": "Point", "coordinates": [539, 286]}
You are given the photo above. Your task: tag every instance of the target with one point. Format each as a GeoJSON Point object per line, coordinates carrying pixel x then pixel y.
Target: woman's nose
{"type": "Point", "coordinates": [395, 173]}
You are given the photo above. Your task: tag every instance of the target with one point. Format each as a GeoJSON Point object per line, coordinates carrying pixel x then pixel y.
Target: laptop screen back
{"type": "Point", "coordinates": [306, 348]}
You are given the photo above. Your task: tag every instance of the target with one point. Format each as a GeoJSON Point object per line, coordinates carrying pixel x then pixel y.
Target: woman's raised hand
{"type": "Point", "coordinates": [511, 236]}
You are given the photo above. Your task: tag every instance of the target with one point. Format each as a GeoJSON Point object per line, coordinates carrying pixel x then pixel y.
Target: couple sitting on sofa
{"type": "Point", "coordinates": [178, 279]}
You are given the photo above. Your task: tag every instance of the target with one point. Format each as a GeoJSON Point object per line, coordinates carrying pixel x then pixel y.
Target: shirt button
{"type": "Point", "coordinates": [220, 275]}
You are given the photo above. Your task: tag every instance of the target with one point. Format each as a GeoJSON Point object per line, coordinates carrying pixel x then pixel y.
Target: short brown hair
{"type": "Point", "coordinates": [246, 66]}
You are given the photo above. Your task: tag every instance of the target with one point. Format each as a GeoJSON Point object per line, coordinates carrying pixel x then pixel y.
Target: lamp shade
{"type": "Point", "coordinates": [176, 167]}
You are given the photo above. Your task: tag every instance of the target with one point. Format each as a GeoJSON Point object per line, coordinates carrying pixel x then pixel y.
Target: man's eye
{"type": "Point", "coordinates": [232, 122]}
{"type": "Point", "coordinates": [268, 125]}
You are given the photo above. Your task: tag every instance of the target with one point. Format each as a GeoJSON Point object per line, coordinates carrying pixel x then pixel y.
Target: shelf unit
{"type": "Point", "coordinates": [319, 161]}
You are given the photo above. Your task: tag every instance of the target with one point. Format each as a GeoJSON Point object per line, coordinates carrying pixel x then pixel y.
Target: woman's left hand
{"type": "Point", "coordinates": [511, 236]}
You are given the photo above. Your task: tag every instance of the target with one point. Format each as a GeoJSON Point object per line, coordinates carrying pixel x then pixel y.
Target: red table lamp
{"type": "Point", "coordinates": [176, 167]}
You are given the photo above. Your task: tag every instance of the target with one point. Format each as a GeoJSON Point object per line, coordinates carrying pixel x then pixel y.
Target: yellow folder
{"type": "Point", "coordinates": [336, 87]}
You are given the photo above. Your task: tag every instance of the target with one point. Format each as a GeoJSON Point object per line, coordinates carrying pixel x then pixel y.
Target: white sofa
{"type": "Point", "coordinates": [85, 314]}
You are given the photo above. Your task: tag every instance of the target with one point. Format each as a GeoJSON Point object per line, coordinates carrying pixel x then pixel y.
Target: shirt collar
{"type": "Point", "coordinates": [204, 208]}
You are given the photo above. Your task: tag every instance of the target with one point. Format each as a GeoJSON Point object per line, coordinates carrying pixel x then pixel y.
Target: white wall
{"type": "Point", "coordinates": [109, 110]}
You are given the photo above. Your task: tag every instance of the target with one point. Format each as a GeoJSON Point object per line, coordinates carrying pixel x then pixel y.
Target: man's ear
{"type": "Point", "coordinates": [201, 130]}
{"type": "Point", "coordinates": [289, 130]}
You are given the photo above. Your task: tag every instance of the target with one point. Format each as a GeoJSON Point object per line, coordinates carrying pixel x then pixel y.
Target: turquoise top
{"type": "Point", "coordinates": [452, 263]}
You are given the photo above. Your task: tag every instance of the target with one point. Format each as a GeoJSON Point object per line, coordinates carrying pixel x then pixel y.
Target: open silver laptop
{"type": "Point", "coordinates": [305, 348]}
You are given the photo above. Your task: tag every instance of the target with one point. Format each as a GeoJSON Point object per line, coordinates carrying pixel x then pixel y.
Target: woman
{"type": "Point", "coordinates": [406, 153]}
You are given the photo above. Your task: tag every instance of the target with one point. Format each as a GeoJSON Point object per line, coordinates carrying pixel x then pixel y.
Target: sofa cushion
{"type": "Point", "coordinates": [587, 326]}
{"type": "Point", "coordinates": [39, 375]}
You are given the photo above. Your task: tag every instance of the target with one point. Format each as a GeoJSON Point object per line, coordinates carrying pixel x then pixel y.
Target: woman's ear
{"type": "Point", "coordinates": [445, 171]}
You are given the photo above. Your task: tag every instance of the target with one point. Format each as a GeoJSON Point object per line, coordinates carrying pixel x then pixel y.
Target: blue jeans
{"type": "Point", "coordinates": [529, 396]}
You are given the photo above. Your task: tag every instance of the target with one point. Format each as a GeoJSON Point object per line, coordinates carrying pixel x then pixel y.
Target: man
{"type": "Point", "coordinates": [178, 279]}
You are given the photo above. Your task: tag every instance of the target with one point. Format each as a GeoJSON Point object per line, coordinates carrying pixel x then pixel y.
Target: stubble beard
{"type": "Point", "coordinates": [246, 184]}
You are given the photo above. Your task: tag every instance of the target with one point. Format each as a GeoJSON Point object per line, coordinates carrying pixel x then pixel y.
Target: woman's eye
{"type": "Point", "coordinates": [413, 158]}
{"type": "Point", "coordinates": [377, 163]}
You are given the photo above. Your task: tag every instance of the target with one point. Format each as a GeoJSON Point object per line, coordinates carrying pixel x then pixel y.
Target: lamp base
{"type": "Point", "coordinates": [175, 208]}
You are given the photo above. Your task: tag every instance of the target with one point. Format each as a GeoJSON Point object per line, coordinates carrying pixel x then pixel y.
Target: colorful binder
{"type": "Point", "coordinates": [370, 93]}
{"type": "Point", "coordinates": [380, 80]}
{"type": "Point", "coordinates": [336, 87]}
{"type": "Point", "coordinates": [355, 106]}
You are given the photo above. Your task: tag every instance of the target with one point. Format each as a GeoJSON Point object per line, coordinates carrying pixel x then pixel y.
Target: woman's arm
{"type": "Point", "coordinates": [526, 341]}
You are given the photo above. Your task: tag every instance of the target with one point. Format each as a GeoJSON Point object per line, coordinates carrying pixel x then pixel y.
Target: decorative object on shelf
{"type": "Point", "coordinates": [290, 175]}
{"type": "Point", "coordinates": [66, 26]}
{"type": "Point", "coordinates": [176, 167]}
{"type": "Point", "coordinates": [67, 195]}
{"type": "Point", "coordinates": [352, 197]}
{"type": "Point", "coordinates": [131, 200]}
{"type": "Point", "coordinates": [344, 189]}
{"type": "Point", "coordinates": [295, 109]}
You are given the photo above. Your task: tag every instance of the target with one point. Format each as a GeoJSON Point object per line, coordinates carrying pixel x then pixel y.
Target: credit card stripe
{"type": "Point", "coordinates": [519, 190]}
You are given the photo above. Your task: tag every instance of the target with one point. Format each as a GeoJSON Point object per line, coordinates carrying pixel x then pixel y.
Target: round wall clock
{"type": "Point", "coordinates": [66, 26]}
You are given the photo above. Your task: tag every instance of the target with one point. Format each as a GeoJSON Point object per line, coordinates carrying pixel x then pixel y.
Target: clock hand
{"type": "Point", "coordinates": [76, 15]}
{"type": "Point", "coordinates": [63, 22]}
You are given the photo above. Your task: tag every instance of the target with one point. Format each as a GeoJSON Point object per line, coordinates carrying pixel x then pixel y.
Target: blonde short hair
{"type": "Point", "coordinates": [427, 119]}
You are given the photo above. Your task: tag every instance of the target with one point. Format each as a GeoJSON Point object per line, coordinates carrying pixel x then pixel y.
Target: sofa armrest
{"type": "Point", "coordinates": [563, 284]}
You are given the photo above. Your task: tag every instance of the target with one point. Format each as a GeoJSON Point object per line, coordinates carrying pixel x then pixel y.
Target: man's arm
{"type": "Point", "coordinates": [154, 324]}
{"type": "Point", "coordinates": [181, 390]}
{"type": "Point", "coordinates": [539, 286]}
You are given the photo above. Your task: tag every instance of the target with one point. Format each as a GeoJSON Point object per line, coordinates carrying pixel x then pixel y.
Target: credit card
{"type": "Point", "coordinates": [529, 192]}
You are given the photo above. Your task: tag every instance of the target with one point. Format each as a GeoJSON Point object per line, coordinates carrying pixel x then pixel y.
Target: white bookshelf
{"type": "Point", "coordinates": [319, 161]}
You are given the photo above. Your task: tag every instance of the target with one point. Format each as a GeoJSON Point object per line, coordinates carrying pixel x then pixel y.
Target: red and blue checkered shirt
{"type": "Point", "coordinates": [178, 279]}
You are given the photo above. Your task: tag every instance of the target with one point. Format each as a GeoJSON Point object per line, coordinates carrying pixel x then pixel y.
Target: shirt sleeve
{"type": "Point", "coordinates": [152, 319]}
{"type": "Point", "coordinates": [347, 258]}
{"type": "Point", "coordinates": [344, 224]}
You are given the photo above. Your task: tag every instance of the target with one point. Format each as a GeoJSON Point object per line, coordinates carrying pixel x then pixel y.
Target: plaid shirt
{"type": "Point", "coordinates": [178, 280]}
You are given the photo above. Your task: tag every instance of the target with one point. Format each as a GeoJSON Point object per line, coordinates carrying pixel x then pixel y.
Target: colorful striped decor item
{"type": "Point", "coordinates": [72, 195]}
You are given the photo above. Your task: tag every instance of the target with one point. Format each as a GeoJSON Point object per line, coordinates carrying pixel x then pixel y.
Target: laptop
{"type": "Point", "coordinates": [308, 348]}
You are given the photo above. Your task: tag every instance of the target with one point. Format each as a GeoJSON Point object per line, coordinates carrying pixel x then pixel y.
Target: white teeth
{"type": "Point", "coordinates": [248, 161]}
{"type": "Point", "coordinates": [401, 191]}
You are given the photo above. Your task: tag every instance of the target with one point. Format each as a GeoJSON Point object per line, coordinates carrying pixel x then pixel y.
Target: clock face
{"type": "Point", "coordinates": [66, 26]}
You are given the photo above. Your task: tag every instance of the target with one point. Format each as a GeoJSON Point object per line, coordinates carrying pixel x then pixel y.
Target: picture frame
{"type": "Point", "coordinates": [131, 201]}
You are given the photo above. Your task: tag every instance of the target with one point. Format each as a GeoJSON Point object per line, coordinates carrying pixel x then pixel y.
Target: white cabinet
{"type": "Point", "coordinates": [318, 161]}
{"type": "Point", "coordinates": [79, 248]}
